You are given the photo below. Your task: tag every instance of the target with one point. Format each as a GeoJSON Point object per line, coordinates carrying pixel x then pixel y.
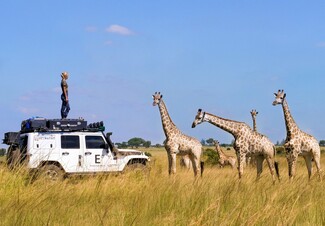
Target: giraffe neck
{"type": "Point", "coordinates": [167, 122]}
{"type": "Point", "coordinates": [230, 126]}
{"type": "Point", "coordinates": [291, 126]}
{"type": "Point", "coordinates": [220, 153]}
{"type": "Point", "coordinates": [254, 123]}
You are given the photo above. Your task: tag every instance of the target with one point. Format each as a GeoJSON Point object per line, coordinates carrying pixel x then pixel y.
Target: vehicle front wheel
{"type": "Point", "coordinates": [51, 173]}
{"type": "Point", "coordinates": [137, 167]}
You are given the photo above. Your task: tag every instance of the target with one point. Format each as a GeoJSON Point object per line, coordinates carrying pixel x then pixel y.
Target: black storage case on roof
{"type": "Point", "coordinates": [33, 124]}
{"type": "Point", "coordinates": [11, 138]}
{"type": "Point", "coordinates": [66, 124]}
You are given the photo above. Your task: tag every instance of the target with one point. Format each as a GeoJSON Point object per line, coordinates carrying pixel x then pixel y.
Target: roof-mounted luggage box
{"type": "Point", "coordinates": [67, 124]}
{"type": "Point", "coordinates": [34, 124]}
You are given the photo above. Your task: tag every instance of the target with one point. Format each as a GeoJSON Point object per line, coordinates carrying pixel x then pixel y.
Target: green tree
{"type": "Point", "coordinates": [2, 152]}
{"type": "Point", "coordinates": [232, 143]}
{"type": "Point", "coordinates": [282, 142]}
{"type": "Point", "coordinates": [136, 142]}
{"type": "Point", "coordinates": [322, 143]}
{"type": "Point", "coordinates": [147, 144]}
{"type": "Point", "coordinates": [122, 145]}
{"type": "Point", "coordinates": [224, 145]}
{"type": "Point", "coordinates": [203, 142]}
{"type": "Point", "coordinates": [210, 141]}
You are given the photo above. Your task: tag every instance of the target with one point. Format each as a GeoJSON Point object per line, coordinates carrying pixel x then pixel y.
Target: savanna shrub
{"type": "Point", "coordinates": [148, 154]}
{"type": "Point", "coordinates": [211, 156]}
{"type": "Point", "coordinates": [280, 150]}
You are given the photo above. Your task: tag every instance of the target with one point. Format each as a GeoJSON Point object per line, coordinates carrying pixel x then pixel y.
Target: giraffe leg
{"type": "Point", "coordinates": [169, 162]}
{"type": "Point", "coordinates": [292, 162]}
{"type": "Point", "coordinates": [221, 163]}
{"type": "Point", "coordinates": [317, 163]}
{"type": "Point", "coordinates": [233, 163]}
{"type": "Point", "coordinates": [248, 159]}
{"type": "Point", "coordinates": [186, 162]}
{"type": "Point", "coordinates": [308, 164]}
{"type": "Point", "coordinates": [259, 165]}
{"type": "Point", "coordinates": [173, 162]}
{"type": "Point", "coordinates": [270, 163]}
{"type": "Point", "coordinates": [241, 163]}
{"type": "Point", "coordinates": [196, 164]}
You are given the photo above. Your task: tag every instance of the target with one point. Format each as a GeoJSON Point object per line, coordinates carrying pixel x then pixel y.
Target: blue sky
{"type": "Point", "coordinates": [226, 57]}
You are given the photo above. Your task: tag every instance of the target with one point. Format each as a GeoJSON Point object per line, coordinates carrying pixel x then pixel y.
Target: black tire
{"type": "Point", "coordinates": [136, 167]}
{"type": "Point", "coordinates": [51, 172]}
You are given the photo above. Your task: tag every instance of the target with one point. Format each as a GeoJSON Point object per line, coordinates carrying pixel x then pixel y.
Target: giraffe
{"type": "Point", "coordinates": [297, 142]}
{"type": "Point", "coordinates": [177, 142]}
{"type": "Point", "coordinates": [246, 142]}
{"type": "Point", "coordinates": [223, 158]}
{"type": "Point", "coordinates": [254, 114]}
{"type": "Point", "coordinates": [250, 160]}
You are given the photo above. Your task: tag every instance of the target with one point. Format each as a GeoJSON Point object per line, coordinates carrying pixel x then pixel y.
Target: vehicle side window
{"type": "Point", "coordinates": [70, 142]}
{"type": "Point", "coordinates": [95, 142]}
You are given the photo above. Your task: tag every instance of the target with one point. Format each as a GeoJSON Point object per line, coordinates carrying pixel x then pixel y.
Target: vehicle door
{"type": "Point", "coordinates": [70, 154]}
{"type": "Point", "coordinates": [97, 157]}
{"type": "Point", "coordinates": [43, 147]}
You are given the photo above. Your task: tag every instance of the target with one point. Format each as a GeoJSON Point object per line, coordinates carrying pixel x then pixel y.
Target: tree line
{"type": "Point", "coordinates": [140, 142]}
{"type": "Point", "coordinates": [134, 142]}
{"type": "Point", "coordinates": [2, 151]}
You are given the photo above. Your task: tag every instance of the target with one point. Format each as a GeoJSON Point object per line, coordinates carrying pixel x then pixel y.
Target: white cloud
{"type": "Point", "coordinates": [119, 30]}
{"type": "Point", "coordinates": [91, 29]}
{"type": "Point", "coordinates": [321, 44]}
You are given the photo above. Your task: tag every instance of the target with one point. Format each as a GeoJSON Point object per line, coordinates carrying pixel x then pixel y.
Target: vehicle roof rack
{"type": "Point", "coordinates": [38, 124]}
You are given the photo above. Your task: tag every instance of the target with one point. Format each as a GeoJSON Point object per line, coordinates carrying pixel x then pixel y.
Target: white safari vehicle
{"type": "Point", "coordinates": [57, 148]}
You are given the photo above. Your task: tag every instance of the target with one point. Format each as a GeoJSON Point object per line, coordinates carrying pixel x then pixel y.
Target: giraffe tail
{"type": "Point", "coordinates": [202, 167]}
{"type": "Point", "coordinates": [276, 166]}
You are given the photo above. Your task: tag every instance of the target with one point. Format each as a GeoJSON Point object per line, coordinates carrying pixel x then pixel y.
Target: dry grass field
{"type": "Point", "coordinates": [136, 198]}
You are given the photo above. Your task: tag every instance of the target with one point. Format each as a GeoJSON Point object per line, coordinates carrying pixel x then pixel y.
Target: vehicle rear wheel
{"type": "Point", "coordinates": [51, 172]}
{"type": "Point", "coordinates": [13, 157]}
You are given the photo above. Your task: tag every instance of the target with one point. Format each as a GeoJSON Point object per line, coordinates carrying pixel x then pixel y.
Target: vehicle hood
{"type": "Point", "coordinates": [130, 152]}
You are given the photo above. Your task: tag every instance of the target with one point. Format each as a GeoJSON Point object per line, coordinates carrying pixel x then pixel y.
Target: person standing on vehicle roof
{"type": "Point", "coordinates": [65, 108]}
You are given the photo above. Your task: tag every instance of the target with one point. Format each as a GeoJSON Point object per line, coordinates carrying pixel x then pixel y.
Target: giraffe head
{"type": "Point", "coordinates": [254, 113]}
{"type": "Point", "coordinates": [216, 143]}
{"type": "Point", "coordinates": [156, 98]}
{"type": "Point", "coordinates": [199, 118]}
{"type": "Point", "coordinates": [279, 97]}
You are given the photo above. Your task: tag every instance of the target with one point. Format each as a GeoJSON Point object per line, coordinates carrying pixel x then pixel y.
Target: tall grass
{"type": "Point", "coordinates": [136, 198]}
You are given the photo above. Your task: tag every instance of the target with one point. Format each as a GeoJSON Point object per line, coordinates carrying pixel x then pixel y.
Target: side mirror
{"type": "Point", "coordinates": [108, 134]}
